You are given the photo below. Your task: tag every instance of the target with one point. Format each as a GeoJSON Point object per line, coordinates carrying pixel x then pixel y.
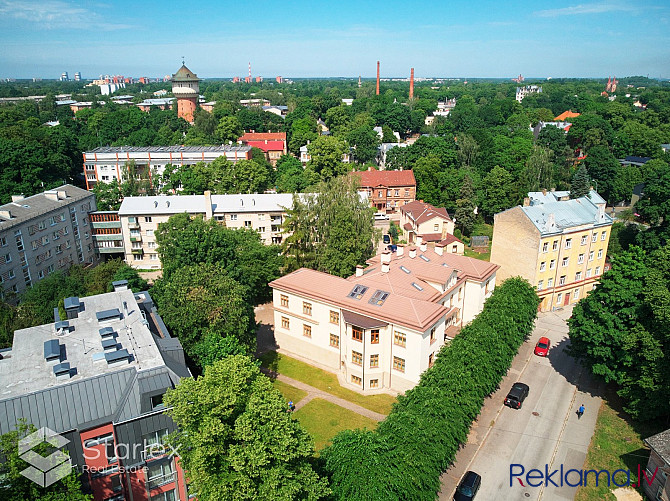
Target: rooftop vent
{"type": "Point", "coordinates": [378, 297]}
{"type": "Point", "coordinates": [120, 285]}
{"type": "Point", "coordinates": [117, 357]}
{"type": "Point", "coordinates": [62, 369]}
{"type": "Point", "coordinates": [155, 204]}
{"type": "Point", "coordinates": [417, 286]}
{"type": "Point", "coordinates": [72, 305]}
{"type": "Point", "coordinates": [107, 333]}
{"type": "Point", "coordinates": [357, 292]}
{"type": "Point", "coordinates": [112, 314]}
{"type": "Point", "coordinates": [62, 327]}
{"type": "Point", "coordinates": [405, 270]}
{"type": "Point", "coordinates": [109, 344]}
{"type": "Point", "coordinates": [5, 214]}
{"type": "Point", "coordinates": [51, 350]}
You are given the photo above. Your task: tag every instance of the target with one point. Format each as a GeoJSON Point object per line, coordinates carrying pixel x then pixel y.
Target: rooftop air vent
{"type": "Point", "coordinates": [357, 292]}
{"type": "Point", "coordinates": [120, 285]}
{"type": "Point", "coordinates": [51, 350]}
{"type": "Point", "coordinates": [62, 369]}
{"type": "Point", "coordinates": [378, 298]}
{"type": "Point", "coordinates": [117, 357]}
{"type": "Point", "coordinates": [107, 333]}
{"type": "Point", "coordinates": [62, 327]}
{"type": "Point", "coordinates": [112, 314]}
{"type": "Point", "coordinates": [109, 344]}
{"type": "Point", "coordinates": [72, 305]}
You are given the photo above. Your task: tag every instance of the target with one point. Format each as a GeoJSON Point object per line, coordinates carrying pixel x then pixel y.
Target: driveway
{"type": "Point", "coordinates": [545, 431]}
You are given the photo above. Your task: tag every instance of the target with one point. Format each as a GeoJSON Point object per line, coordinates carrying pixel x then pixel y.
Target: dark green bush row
{"type": "Point", "coordinates": [405, 456]}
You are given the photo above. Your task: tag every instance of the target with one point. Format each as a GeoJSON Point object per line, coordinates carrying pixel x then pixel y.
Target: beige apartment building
{"type": "Point", "coordinates": [140, 217]}
{"type": "Point", "coordinates": [381, 328]}
{"type": "Point", "coordinates": [556, 243]}
{"type": "Point", "coordinates": [419, 219]}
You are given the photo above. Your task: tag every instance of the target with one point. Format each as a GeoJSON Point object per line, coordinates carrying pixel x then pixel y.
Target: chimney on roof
{"type": "Point", "coordinates": [412, 252]}
{"type": "Point", "coordinates": [544, 191]}
{"type": "Point", "coordinates": [5, 214]}
{"type": "Point", "coordinates": [377, 77]}
{"type": "Point", "coordinates": [419, 240]}
{"type": "Point", "coordinates": [120, 285]}
{"type": "Point", "coordinates": [208, 205]}
{"type": "Point", "coordinates": [439, 248]}
{"type": "Point", "coordinates": [411, 84]}
{"type": "Point", "coordinates": [423, 246]}
{"type": "Point", "coordinates": [400, 250]}
{"type": "Point", "coordinates": [51, 195]}
{"type": "Point", "coordinates": [386, 257]}
{"type": "Point", "coordinates": [17, 198]}
{"type": "Point", "coordinates": [62, 195]}
{"type": "Point", "coordinates": [526, 201]}
{"type": "Point", "coordinates": [359, 270]}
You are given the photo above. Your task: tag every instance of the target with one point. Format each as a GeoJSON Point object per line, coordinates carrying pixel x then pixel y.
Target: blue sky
{"type": "Point", "coordinates": [582, 38]}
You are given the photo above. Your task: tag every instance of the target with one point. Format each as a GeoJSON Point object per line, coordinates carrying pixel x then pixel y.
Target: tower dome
{"type": "Point", "coordinates": [185, 87]}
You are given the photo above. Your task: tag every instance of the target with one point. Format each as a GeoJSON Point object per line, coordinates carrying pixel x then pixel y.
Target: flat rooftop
{"type": "Point", "coordinates": [25, 369]}
{"type": "Point", "coordinates": [168, 149]}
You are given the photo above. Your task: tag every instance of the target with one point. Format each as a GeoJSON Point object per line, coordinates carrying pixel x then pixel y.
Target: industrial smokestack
{"type": "Point", "coordinates": [377, 77]}
{"type": "Point", "coordinates": [411, 84]}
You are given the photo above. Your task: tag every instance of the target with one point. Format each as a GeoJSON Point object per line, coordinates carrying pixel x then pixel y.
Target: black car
{"type": "Point", "coordinates": [516, 395]}
{"type": "Point", "coordinates": [386, 238]}
{"type": "Point", "coordinates": [468, 487]}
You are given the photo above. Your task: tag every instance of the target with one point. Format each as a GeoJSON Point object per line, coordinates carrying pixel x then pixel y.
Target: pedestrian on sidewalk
{"type": "Point", "coordinates": [580, 411]}
{"type": "Point", "coordinates": [291, 406]}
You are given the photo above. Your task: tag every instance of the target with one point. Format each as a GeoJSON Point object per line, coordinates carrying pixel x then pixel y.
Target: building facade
{"type": "Point", "coordinates": [273, 144]}
{"type": "Point", "coordinates": [104, 164]}
{"type": "Point", "coordinates": [186, 88]}
{"type": "Point", "coordinates": [556, 243]}
{"type": "Point", "coordinates": [44, 233]}
{"type": "Point", "coordinates": [388, 190]}
{"type": "Point", "coordinates": [107, 235]}
{"type": "Point", "coordinates": [98, 379]}
{"type": "Point", "coordinates": [381, 328]}
{"type": "Point", "coordinates": [656, 486]}
{"type": "Point", "coordinates": [419, 219]}
{"type": "Point", "coordinates": [140, 217]}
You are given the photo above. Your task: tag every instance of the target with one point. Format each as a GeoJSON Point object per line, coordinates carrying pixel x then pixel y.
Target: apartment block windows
{"type": "Point", "coordinates": [584, 239]}
{"type": "Point", "coordinates": [594, 237]}
{"type": "Point", "coordinates": [597, 270]}
{"type": "Point", "coordinates": [247, 224]}
{"type": "Point", "coordinates": [591, 254]}
{"type": "Point", "coordinates": [588, 273]}
{"type": "Point", "coordinates": [568, 243]}
{"type": "Point", "coordinates": [285, 323]}
{"type": "Point", "coordinates": [400, 339]}
{"type": "Point", "coordinates": [576, 294]}
{"type": "Point", "coordinates": [399, 364]}
{"type": "Point", "coordinates": [559, 298]}
{"type": "Point", "coordinates": [578, 276]}
{"type": "Point", "coordinates": [603, 236]}
{"type": "Point", "coordinates": [283, 300]}
{"type": "Point", "coordinates": [147, 219]}
{"type": "Point", "coordinates": [555, 245]}
{"type": "Point", "coordinates": [580, 259]}
{"type": "Point", "coordinates": [160, 473]}
{"type": "Point", "coordinates": [374, 361]}
{"type": "Point", "coordinates": [356, 380]}
{"type": "Point", "coordinates": [565, 261]}
{"type": "Point", "coordinates": [356, 358]}
{"type": "Point", "coordinates": [550, 283]}
{"type": "Point", "coordinates": [545, 247]}
{"type": "Point", "coordinates": [543, 266]}
{"type": "Point", "coordinates": [233, 217]}
{"type": "Point", "coordinates": [374, 336]}
{"type": "Point", "coordinates": [552, 264]}
{"type": "Point", "coordinates": [3, 242]}
{"type": "Point", "coordinates": [334, 317]}
{"type": "Point", "coordinates": [561, 281]}
{"type": "Point", "coordinates": [334, 340]}
{"type": "Point", "coordinates": [356, 333]}
{"type": "Point", "coordinates": [307, 308]}
{"type": "Point", "coordinates": [306, 330]}
{"type": "Point", "coordinates": [540, 284]}
{"type": "Point", "coordinates": [430, 359]}
{"type": "Point", "coordinates": [600, 253]}
{"type": "Point", "coordinates": [436, 228]}
{"type": "Point", "coordinates": [374, 383]}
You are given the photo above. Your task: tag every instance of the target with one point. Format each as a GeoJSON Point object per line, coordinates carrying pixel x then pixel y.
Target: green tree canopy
{"type": "Point", "coordinates": [581, 183]}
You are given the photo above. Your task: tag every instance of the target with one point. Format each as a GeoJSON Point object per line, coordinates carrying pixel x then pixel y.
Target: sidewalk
{"type": "Point", "coordinates": [316, 393]}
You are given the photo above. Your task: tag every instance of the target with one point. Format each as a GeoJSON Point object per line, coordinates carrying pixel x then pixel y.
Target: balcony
{"type": "Point", "coordinates": [136, 238]}
{"type": "Point", "coordinates": [106, 224]}
{"type": "Point", "coordinates": [133, 224]}
{"type": "Point", "coordinates": [152, 483]}
{"type": "Point", "coordinates": [137, 251]}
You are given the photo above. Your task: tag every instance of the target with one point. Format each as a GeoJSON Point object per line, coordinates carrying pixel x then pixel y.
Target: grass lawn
{"type": "Point", "coordinates": [484, 256]}
{"type": "Point", "coordinates": [325, 381]}
{"type": "Point", "coordinates": [289, 392]}
{"type": "Point", "coordinates": [323, 420]}
{"type": "Point", "coordinates": [616, 443]}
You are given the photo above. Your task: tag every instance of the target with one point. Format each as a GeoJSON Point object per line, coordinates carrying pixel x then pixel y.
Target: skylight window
{"type": "Point", "coordinates": [357, 292]}
{"type": "Point", "coordinates": [405, 269]}
{"type": "Point", "coordinates": [417, 286]}
{"type": "Point", "coordinates": [378, 298]}
{"type": "Point", "coordinates": [424, 258]}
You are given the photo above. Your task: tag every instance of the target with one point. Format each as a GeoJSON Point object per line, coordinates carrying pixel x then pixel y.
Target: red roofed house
{"type": "Point", "coordinates": [419, 219]}
{"type": "Point", "coordinates": [382, 327]}
{"type": "Point", "coordinates": [388, 190]}
{"type": "Point", "coordinates": [273, 144]}
{"type": "Point", "coordinates": [563, 117]}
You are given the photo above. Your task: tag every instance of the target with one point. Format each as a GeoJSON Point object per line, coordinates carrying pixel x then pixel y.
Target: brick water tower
{"type": "Point", "coordinates": [186, 89]}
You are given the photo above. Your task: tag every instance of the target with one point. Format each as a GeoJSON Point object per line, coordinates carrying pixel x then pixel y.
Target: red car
{"type": "Point", "coordinates": [542, 347]}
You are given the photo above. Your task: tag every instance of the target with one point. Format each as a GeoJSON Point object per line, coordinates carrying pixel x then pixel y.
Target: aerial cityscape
{"type": "Point", "coordinates": [354, 252]}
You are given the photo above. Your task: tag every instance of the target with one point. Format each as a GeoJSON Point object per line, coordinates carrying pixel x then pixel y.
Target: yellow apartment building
{"type": "Point", "coordinates": [556, 243]}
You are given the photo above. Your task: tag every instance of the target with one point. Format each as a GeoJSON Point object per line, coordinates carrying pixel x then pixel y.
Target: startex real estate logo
{"type": "Point", "coordinates": [44, 470]}
{"type": "Point", "coordinates": [560, 477]}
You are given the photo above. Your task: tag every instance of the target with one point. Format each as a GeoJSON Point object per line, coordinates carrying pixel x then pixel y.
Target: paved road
{"type": "Point", "coordinates": [545, 431]}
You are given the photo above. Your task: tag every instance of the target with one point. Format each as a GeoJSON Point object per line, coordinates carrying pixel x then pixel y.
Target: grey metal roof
{"type": "Point", "coordinates": [51, 349]}
{"type": "Point", "coordinates": [40, 205]}
{"type": "Point", "coordinates": [107, 314]}
{"type": "Point", "coordinates": [168, 149]}
{"type": "Point", "coordinates": [71, 302]}
{"type": "Point", "coordinates": [661, 444]}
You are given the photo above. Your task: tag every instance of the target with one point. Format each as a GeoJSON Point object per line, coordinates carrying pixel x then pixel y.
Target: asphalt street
{"type": "Point", "coordinates": [544, 434]}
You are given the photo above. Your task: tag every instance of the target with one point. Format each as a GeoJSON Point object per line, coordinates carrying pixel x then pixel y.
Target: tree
{"type": "Point", "coordinates": [604, 169]}
{"type": "Point", "coordinates": [655, 205]}
{"type": "Point", "coordinates": [303, 130]}
{"type": "Point", "coordinates": [108, 195]}
{"type": "Point", "coordinates": [331, 230]}
{"type": "Point", "coordinates": [468, 150]}
{"type": "Point", "coordinates": [16, 487]}
{"type": "Point", "coordinates": [365, 142]}
{"type": "Point", "coordinates": [202, 298]}
{"type": "Point", "coordinates": [326, 157]}
{"type": "Point", "coordinates": [135, 282]}
{"type": "Point", "coordinates": [538, 170]}
{"type": "Point", "coordinates": [426, 171]}
{"type": "Point", "coordinates": [388, 135]}
{"type": "Point", "coordinates": [244, 176]}
{"type": "Point", "coordinates": [500, 192]}
{"type": "Point", "coordinates": [290, 176]}
{"type": "Point", "coordinates": [465, 214]}
{"type": "Point", "coordinates": [228, 129]}
{"type": "Point", "coordinates": [236, 440]}
{"type": "Point", "coordinates": [581, 183]}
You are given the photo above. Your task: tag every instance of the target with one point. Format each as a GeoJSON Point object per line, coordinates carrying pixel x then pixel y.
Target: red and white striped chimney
{"type": "Point", "coordinates": [411, 84]}
{"type": "Point", "coordinates": [377, 77]}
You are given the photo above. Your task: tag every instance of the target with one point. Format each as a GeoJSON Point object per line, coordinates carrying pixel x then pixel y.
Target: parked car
{"type": "Point", "coordinates": [392, 247]}
{"type": "Point", "coordinates": [468, 487]}
{"type": "Point", "coordinates": [380, 216]}
{"type": "Point", "coordinates": [517, 395]}
{"type": "Point", "coordinates": [386, 238]}
{"type": "Point", "coordinates": [542, 347]}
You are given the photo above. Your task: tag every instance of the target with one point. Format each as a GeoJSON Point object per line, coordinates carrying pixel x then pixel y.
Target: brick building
{"type": "Point", "coordinates": [273, 144]}
{"type": "Point", "coordinates": [388, 190]}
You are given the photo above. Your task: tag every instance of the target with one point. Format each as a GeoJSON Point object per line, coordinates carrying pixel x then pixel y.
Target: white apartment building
{"type": "Point", "coordinates": [106, 163]}
{"type": "Point", "coordinates": [44, 233]}
{"type": "Point", "coordinates": [382, 327]}
{"type": "Point", "coordinates": [140, 217]}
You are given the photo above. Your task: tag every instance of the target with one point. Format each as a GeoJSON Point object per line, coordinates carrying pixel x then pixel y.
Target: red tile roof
{"type": "Point", "coordinates": [565, 115]}
{"type": "Point", "coordinates": [450, 239]}
{"type": "Point", "coordinates": [263, 136]}
{"type": "Point", "coordinates": [375, 178]}
{"type": "Point", "coordinates": [421, 211]}
{"type": "Point", "coordinates": [267, 145]}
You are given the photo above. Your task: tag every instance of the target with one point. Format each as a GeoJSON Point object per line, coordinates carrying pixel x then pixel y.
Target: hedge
{"type": "Point", "coordinates": [405, 457]}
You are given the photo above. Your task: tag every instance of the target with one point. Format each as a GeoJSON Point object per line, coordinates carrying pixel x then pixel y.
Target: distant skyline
{"type": "Point", "coordinates": [43, 38]}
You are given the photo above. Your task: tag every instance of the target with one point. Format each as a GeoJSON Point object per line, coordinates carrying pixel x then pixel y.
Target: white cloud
{"type": "Point", "coordinates": [594, 8]}
{"type": "Point", "coordinates": [55, 14]}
